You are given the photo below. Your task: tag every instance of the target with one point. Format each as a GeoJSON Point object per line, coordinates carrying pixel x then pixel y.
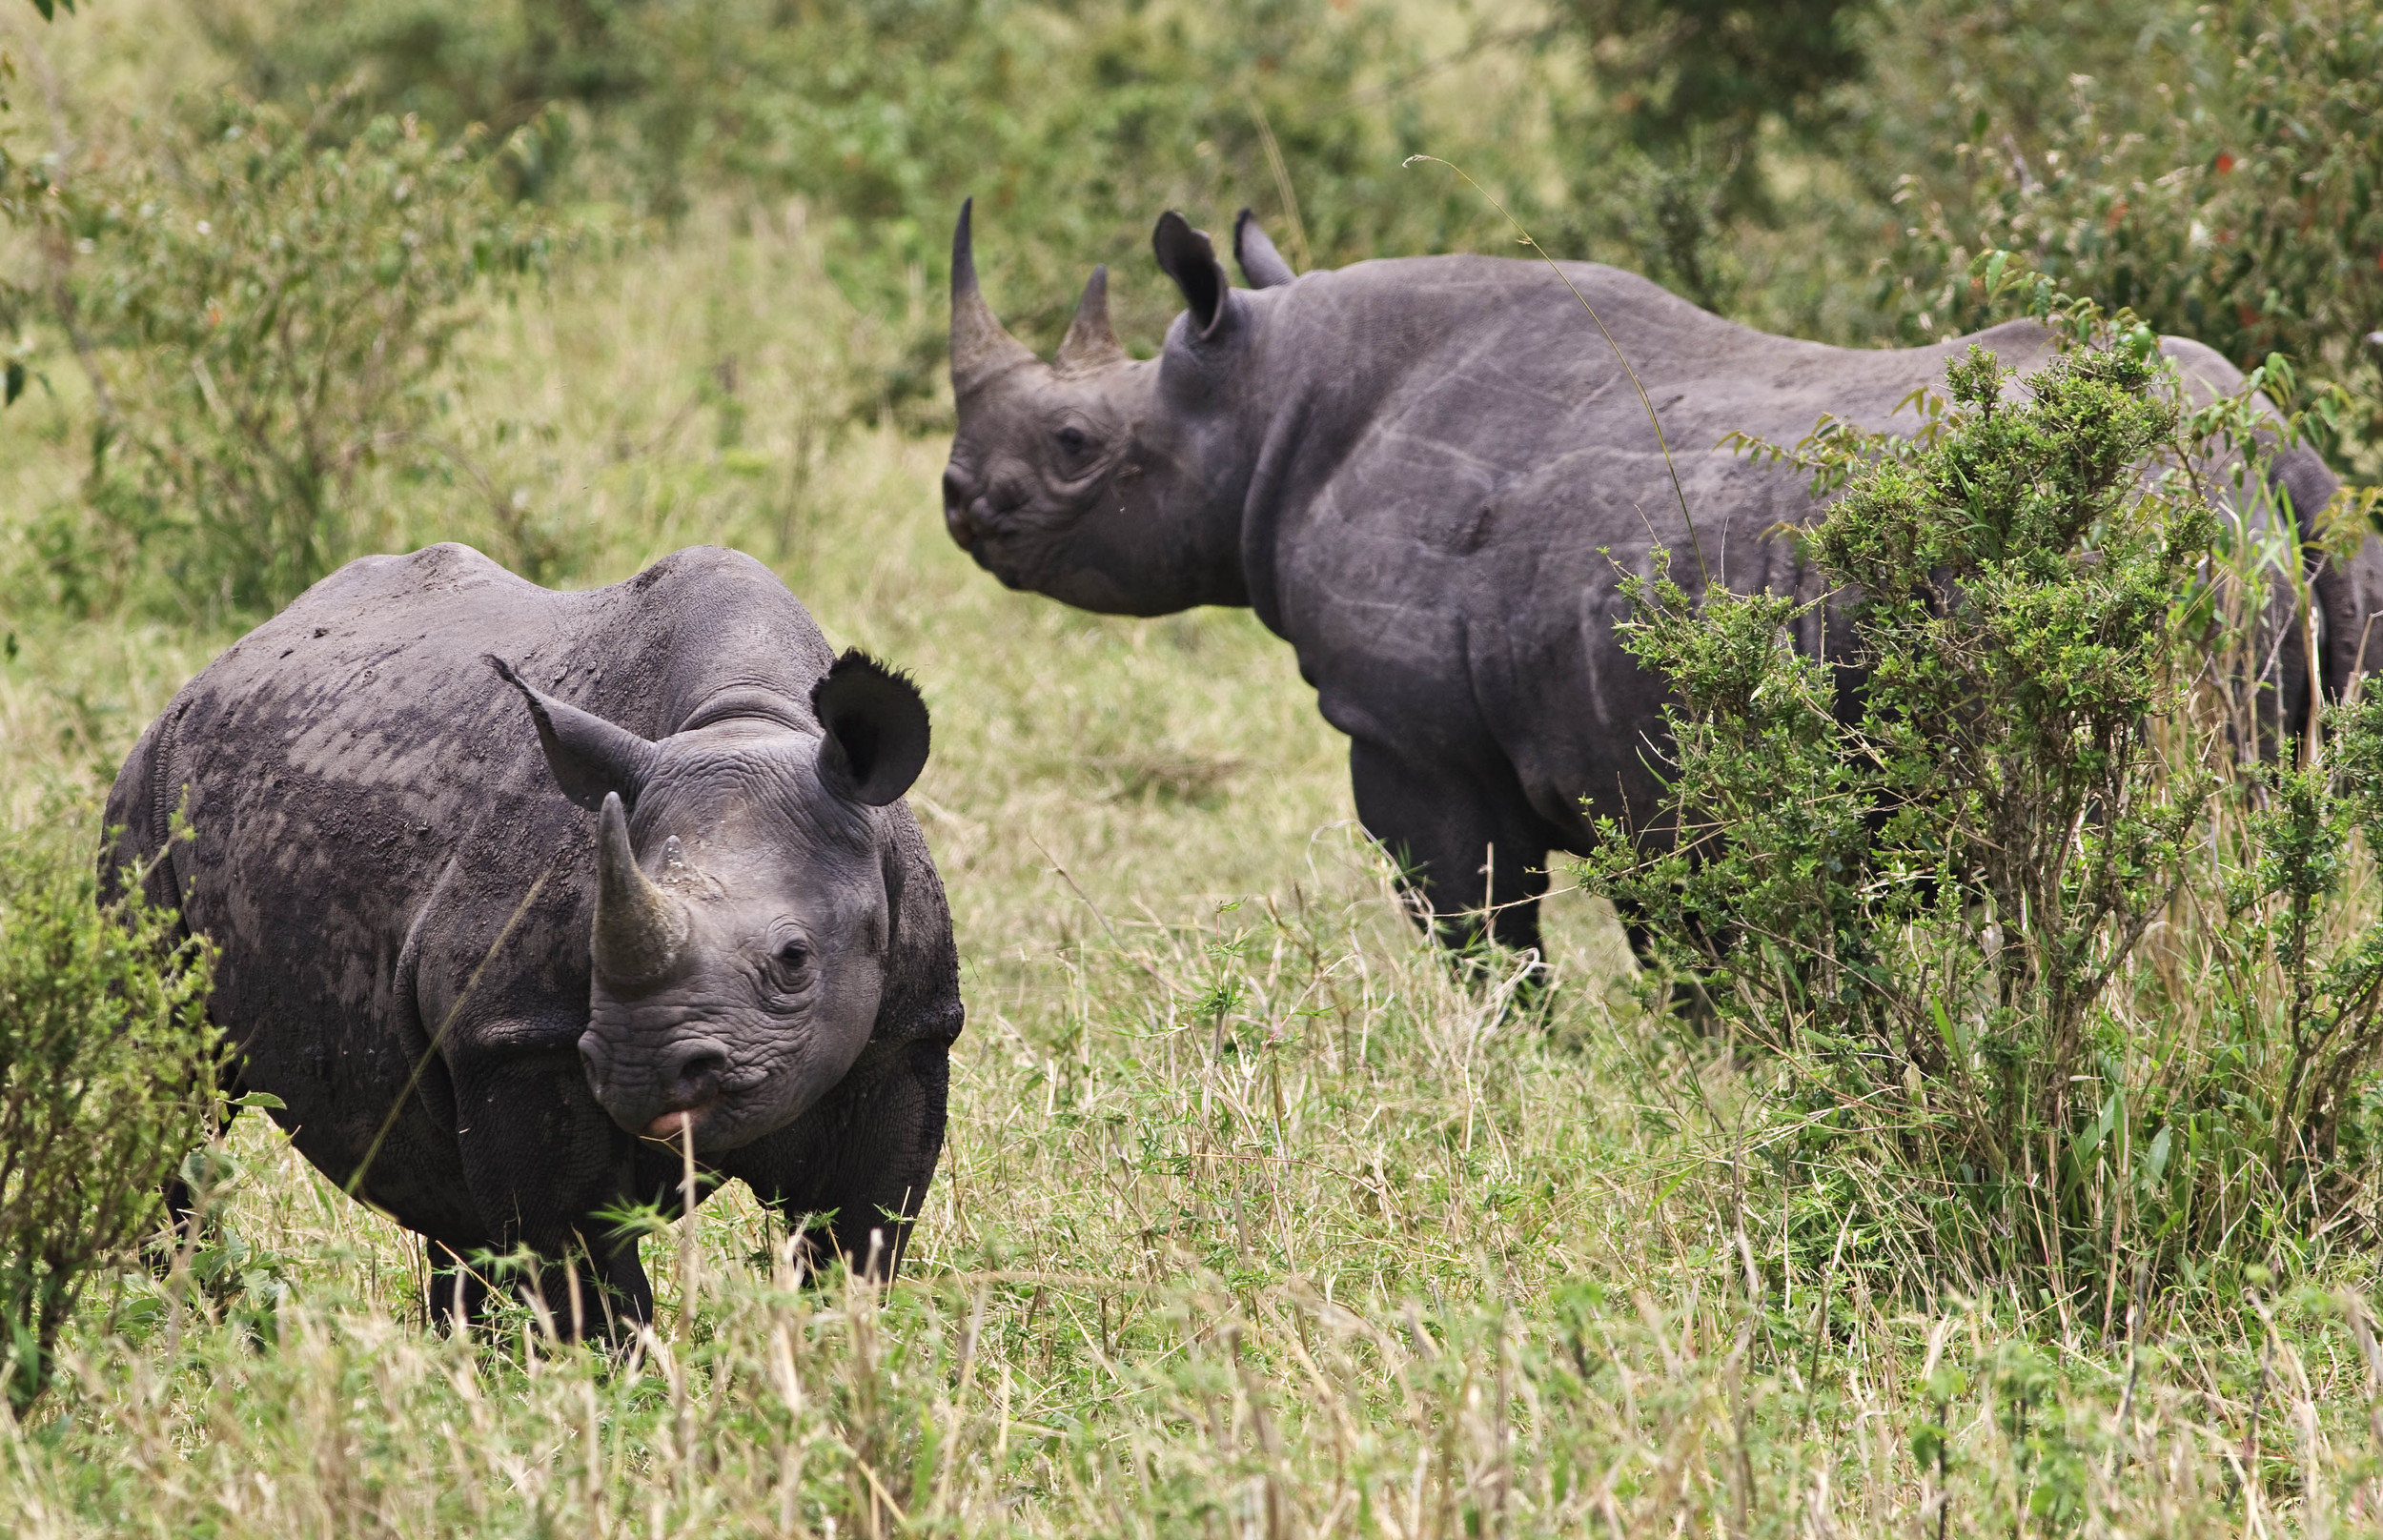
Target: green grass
{"type": "Point", "coordinates": [1252, 1220]}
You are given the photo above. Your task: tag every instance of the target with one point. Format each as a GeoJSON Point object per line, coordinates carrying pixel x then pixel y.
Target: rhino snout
{"type": "Point", "coordinates": [691, 1072]}
{"type": "Point", "coordinates": [597, 1062]}
{"type": "Point", "coordinates": [680, 1084]}
{"type": "Point", "coordinates": [961, 515]}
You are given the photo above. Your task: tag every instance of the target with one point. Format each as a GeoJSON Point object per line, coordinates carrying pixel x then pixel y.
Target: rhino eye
{"type": "Point", "coordinates": [1071, 440]}
{"type": "Point", "coordinates": [792, 955]}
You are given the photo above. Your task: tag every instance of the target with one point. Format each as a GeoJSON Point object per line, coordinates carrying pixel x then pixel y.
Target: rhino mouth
{"type": "Point", "coordinates": [961, 520]}
{"type": "Point", "coordinates": [671, 1127]}
{"type": "Point", "coordinates": [983, 548]}
{"type": "Point", "coordinates": [972, 531]}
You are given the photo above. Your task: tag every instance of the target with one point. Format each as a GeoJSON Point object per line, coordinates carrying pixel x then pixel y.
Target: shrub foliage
{"type": "Point", "coordinates": [1923, 879]}
{"type": "Point", "coordinates": [2235, 201]}
{"type": "Point", "coordinates": [107, 1077]}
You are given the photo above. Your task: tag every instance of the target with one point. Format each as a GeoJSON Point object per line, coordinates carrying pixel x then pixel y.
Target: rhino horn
{"type": "Point", "coordinates": [980, 348]}
{"type": "Point", "coordinates": [1090, 343]}
{"type": "Point", "coordinates": [640, 929]}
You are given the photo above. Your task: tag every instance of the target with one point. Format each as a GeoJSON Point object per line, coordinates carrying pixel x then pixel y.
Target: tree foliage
{"type": "Point", "coordinates": [1684, 94]}
{"type": "Point", "coordinates": [1073, 125]}
{"type": "Point", "coordinates": [2237, 200]}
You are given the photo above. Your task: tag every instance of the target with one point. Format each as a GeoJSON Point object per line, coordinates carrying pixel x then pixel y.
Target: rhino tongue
{"type": "Point", "coordinates": [668, 1125]}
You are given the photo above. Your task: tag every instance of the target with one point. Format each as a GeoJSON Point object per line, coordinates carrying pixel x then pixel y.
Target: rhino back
{"type": "Point", "coordinates": [1475, 472]}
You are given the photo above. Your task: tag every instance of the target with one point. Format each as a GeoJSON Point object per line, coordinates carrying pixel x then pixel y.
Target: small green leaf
{"type": "Point", "coordinates": [1945, 1029]}
{"type": "Point", "coordinates": [15, 382]}
{"type": "Point", "coordinates": [264, 1100]}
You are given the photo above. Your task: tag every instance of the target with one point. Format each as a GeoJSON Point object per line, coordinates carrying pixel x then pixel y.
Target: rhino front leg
{"type": "Point", "coordinates": [1466, 846]}
{"type": "Point", "coordinates": [864, 1155]}
{"type": "Point", "coordinates": [544, 1164]}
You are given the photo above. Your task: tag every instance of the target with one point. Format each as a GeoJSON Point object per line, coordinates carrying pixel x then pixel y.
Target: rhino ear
{"type": "Point", "coordinates": [1189, 257]}
{"type": "Point", "coordinates": [1260, 263]}
{"type": "Point", "coordinates": [872, 730]}
{"type": "Point", "coordinates": [589, 757]}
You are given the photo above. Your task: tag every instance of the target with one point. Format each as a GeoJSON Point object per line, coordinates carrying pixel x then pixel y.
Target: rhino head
{"type": "Point", "coordinates": [1111, 483]}
{"type": "Point", "coordinates": [744, 897]}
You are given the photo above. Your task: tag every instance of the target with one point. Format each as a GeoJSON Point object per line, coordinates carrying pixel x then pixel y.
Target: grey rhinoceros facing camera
{"type": "Point", "coordinates": [516, 889]}
{"type": "Point", "coordinates": [1429, 475]}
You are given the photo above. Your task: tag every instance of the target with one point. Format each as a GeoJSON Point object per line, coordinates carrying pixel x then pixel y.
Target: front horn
{"type": "Point", "coordinates": [640, 929]}
{"type": "Point", "coordinates": [979, 348]}
{"type": "Point", "coordinates": [1091, 342]}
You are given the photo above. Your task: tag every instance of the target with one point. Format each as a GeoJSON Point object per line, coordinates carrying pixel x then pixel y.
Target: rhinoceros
{"type": "Point", "coordinates": [1429, 476]}
{"type": "Point", "coordinates": [518, 891]}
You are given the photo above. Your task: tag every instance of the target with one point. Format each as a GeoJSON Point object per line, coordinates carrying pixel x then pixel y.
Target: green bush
{"type": "Point", "coordinates": [1668, 153]}
{"type": "Point", "coordinates": [266, 311]}
{"type": "Point", "coordinates": [1928, 894]}
{"type": "Point", "coordinates": [107, 1077]}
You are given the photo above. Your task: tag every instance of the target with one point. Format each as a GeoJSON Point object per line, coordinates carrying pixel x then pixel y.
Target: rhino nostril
{"type": "Point", "coordinates": [692, 1072]}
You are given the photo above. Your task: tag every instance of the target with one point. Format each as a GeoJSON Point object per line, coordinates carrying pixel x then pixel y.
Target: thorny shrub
{"type": "Point", "coordinates": [2235, 203]}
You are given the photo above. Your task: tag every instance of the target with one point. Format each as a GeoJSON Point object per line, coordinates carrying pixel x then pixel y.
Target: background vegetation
{"type": "Point", "coordinates": [1252, 1221]}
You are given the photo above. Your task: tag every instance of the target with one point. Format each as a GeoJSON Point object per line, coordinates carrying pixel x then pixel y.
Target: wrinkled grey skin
{"type": "Point", "coordinates": [1429, 476]}
{"type": "Point", "coordinates": [422, 766]}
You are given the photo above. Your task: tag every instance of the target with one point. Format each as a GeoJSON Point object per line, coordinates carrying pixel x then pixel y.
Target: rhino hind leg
{"type": "Point", "coordinates": [456, 1294]}
{"type": "Point", "coordinates": [1473, 854]}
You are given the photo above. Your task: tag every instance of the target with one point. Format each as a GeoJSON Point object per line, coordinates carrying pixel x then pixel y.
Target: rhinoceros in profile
{"type": "Point", "coordinates": [516, 889]}
{"type": "Point", "coordinates": [1427, 474]}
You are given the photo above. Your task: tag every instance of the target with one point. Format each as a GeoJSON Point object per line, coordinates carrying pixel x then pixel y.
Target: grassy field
{"type": "Point", "coordinates": [1251, 1223]}
{"type": "Point", "coordinates": [1252, 1220]}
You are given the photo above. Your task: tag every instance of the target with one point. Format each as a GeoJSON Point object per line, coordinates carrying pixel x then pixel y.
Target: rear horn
{"type": "Point", "coordinates": [1090, 343]}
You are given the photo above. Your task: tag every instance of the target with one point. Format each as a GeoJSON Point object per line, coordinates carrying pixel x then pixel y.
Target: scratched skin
{"type": "Point", "coordinates": [373, 816]}
{"type": "Point", "coordinates": [1429, 476]}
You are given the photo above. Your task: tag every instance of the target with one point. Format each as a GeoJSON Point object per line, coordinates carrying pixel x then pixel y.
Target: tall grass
{"type": "Point", "coordinates": [1260, 1226]}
